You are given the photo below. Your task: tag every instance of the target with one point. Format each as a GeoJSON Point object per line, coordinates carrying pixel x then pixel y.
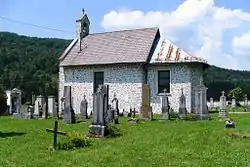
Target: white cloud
{"type": "Point", "coordinates": [241, 44]}
{"type": "Point", "coordinates": [198, 26]}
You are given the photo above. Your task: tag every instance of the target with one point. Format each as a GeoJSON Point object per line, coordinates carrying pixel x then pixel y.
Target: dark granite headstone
{"type": "Point", "coordinates": [69, 114]}
{"type": "Point", "coordinates": [98, 126]}
{"type": "Point", "coordinates": [84, 108]}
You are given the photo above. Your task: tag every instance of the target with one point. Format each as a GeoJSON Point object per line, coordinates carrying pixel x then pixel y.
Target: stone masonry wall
{"type": "Point", "coordinates": [125, 81]}
{"type": "Point", "coordinates": [180, 78]}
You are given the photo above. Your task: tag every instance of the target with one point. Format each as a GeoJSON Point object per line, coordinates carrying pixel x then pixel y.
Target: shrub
{"type": "Point", "coordinates": [74, 140]}
{"type": "Point", "coordinates": [112, 131]}
{"type": "Point", "coordinates": [236, 93]}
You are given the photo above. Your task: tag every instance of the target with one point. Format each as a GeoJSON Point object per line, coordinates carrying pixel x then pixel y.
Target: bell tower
{"type": "Point", "coordinates": [82, 26]}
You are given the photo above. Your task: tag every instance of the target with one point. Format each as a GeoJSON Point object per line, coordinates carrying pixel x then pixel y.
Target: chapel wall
{"type": "Point", "coordinates": [124, 80]}
{"type": "Point", "coordinates": [180, 78]}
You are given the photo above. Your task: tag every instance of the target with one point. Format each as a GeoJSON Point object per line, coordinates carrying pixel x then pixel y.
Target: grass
{"type": "Point", "coordinates": [25, 143]}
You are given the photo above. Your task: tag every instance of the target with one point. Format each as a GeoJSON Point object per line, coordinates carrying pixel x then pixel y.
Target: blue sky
{"type": "Point", "coordinates": [217, 30]}
{"type": "Point", "coordinates": [61, 14]}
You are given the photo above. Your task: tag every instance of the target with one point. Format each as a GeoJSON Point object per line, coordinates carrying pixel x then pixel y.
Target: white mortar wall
{"type": "Point", "coordinates": [125, 81]}
{"type": "Point", "coordinates": [180, 78]}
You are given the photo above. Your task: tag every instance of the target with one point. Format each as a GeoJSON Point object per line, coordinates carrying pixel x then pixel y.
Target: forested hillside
{"type": "Point", "coordinates": [31, 64]}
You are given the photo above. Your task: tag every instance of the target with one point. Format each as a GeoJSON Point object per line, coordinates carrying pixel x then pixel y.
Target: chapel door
{"type": "Point", "coordinates": [98, 79]}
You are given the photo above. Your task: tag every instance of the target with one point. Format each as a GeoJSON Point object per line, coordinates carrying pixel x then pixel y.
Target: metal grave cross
{"type": "Point", "coordinates": [55, 133]}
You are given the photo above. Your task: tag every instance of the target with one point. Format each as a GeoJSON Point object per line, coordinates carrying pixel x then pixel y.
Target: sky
{"type": "Point", "coordinates": [216, 30]}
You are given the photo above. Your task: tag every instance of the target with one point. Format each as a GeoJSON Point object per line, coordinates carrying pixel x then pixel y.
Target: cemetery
{"type": "Point", "coordinates": [50, 138]}
{"type": "Point", "coordinates": [130, 119]}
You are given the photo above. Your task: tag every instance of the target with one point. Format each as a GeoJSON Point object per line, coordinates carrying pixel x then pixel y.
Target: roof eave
{"type": "Point", "coordinates": [68, 49]}
{"type": "Point", "coordinates": [118, 63]}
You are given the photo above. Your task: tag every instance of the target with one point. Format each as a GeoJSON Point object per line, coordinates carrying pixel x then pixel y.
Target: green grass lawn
{"type": "Point", "coordinates": [155, 143]}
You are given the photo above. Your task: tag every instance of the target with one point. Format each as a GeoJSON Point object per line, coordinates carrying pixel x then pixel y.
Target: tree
{"type": "Point", "coordinates": [3, 100]}
{"type": "Point", "coordinates": [236, 93]}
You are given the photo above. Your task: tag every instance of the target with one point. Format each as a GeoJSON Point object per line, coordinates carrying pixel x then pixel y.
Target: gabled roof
{"type": "Point", "coordinates": [167, 52]}
{"type": "Point", "coordinates": [128, 46]}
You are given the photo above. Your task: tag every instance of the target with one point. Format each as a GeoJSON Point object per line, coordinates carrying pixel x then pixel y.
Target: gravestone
{"type": "Point", "coordinates": [115, 106]}
{"type": "Point", "coordinates": [41, 99]}
{"type": "Point", "coordinates": [222, 111]}
{"type": "Point", "coordinates": [33, 99]}
{"type": "Point", "coordinates": [233, 104]}
{"type": "Point", "coordinates": [84, 108]}
{"type": "Point", "coordinates": [36, 110]}
{"type": "Point", "coordinates": [45, 111]}
{"type": "Point", "coordinates": [245, 100]}
{"type": "Point", "coordinates": [110, 116]}
{"type": "Point", "coordinates": [146, 109]}
{"type": "Point", "coordinates": [68, 112]}
{"type": "Point", "coordinates": [16, 100]}
{"type": "Point", "coordinates": [165, 115]}
{"type": "Point", "coordinates": [98, 126]}
{"type": "Point", "coordinates": [201, 111]}
{"type": "Point", "coordinates": [105, 91]}
{"type": "Point", "coordinates": [182, 106]}
{"type": "Point", "coordinates": [133, 112]}
{"type": "Point", "coordinates": [62, 105]}
{"type": "Point", "coordinates": [211, 103]}
{"type": "Point", "coordinates": [51, 104]}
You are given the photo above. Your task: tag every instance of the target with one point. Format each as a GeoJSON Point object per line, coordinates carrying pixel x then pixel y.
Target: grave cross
{"type": "Point", "coordinates": [201, 80]}
{"type": "Point", "coordinates": [55, 133]}
{"type": "Point", "coordinates": [223, 93]}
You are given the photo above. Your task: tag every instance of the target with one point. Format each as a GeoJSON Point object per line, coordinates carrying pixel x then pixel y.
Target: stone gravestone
{"type": "Point", "coordinates": [98, 125]}
{"type": "Point", "coordinates": [68, 112]}
{"type": "Point", "coordinates": [16, 96]}
{"type": "Point", "coordinates": [182, 106]}
{"type": "Point", "coordinates": [245, 102]}
{"type": "Point", "coordinates": [211, 103]}
{"type": "Point", "coordinates": [45, 111]}
{"type": "Point", "coordinates": [165, 115]}
{"type": "Point", "coordinates": [36, 110]}
{"type": "Point", "coordinates": [222, 111]}
{"type": "Point", "coordinates": [233, 104]}
{"type": "Point", "coordinates": [84, 108]}
{"type": "Point", "coordinates": [33, 99]}
{"type": "Point", "coordinates": [146, 109]}
{"type": "Point", "coordinates": [201, 111]}
{"type": "Point", "coordinates": [51, 104]}
{"type": "Point", "coordinates": [41, 99]}
{"type": "Point", "coordinates": [115, 103]}
{"type": "Point", "coordinates": [111, 116]}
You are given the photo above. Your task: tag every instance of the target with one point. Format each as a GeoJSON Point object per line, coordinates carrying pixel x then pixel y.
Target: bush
{"type": "Point", "coordinates": [112, 131]}
{"type": "Point", "coordinates": [74, 140]}
{"type": "Point", "coordinates": [236, 93]}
